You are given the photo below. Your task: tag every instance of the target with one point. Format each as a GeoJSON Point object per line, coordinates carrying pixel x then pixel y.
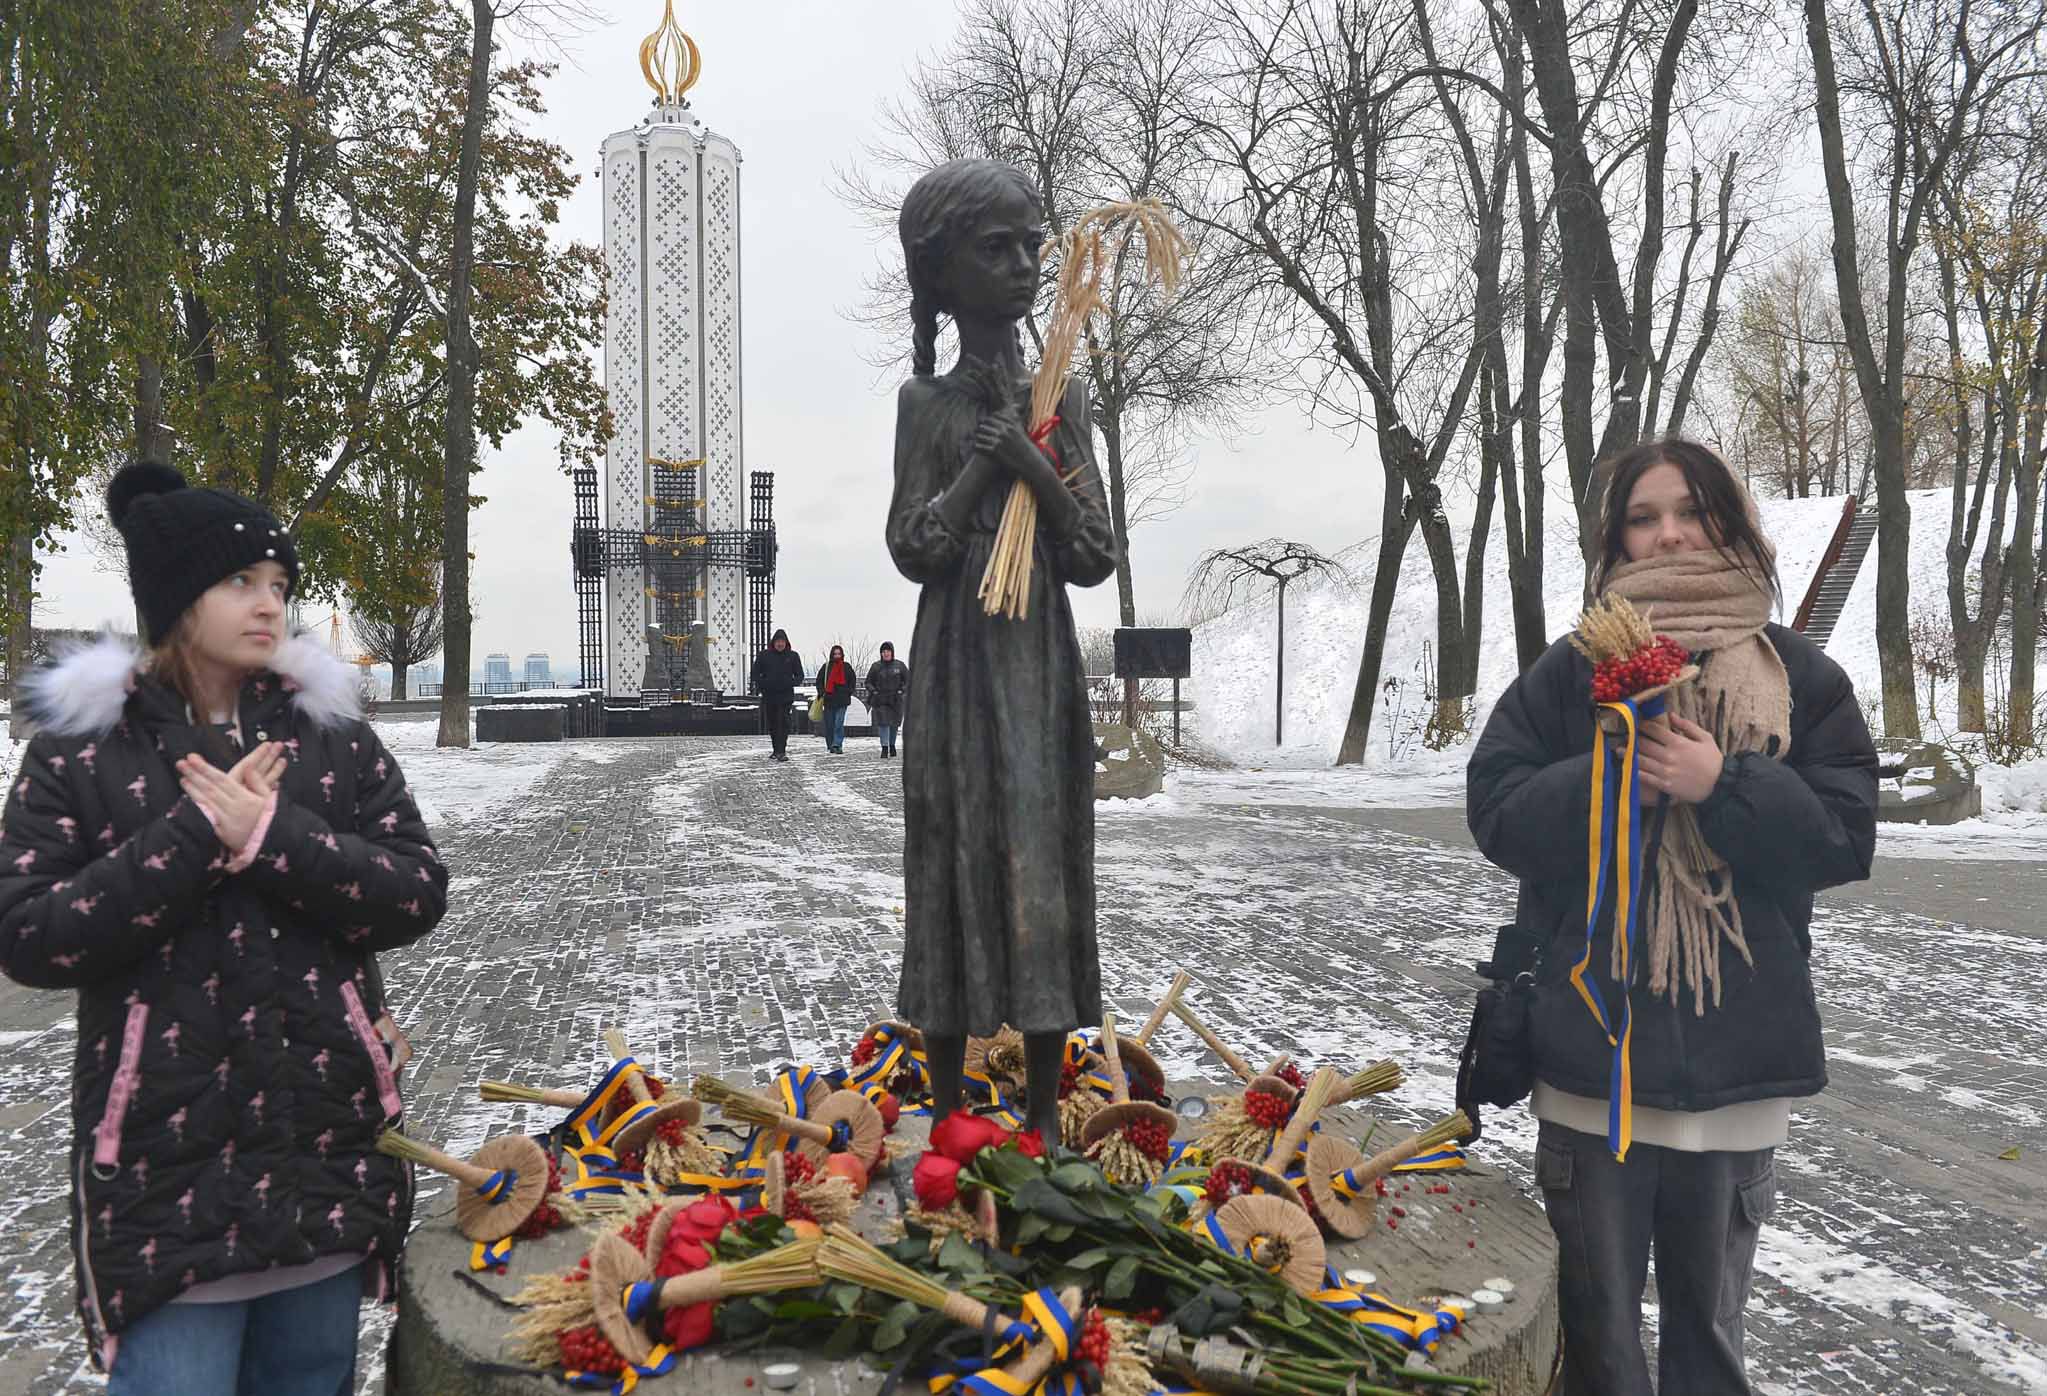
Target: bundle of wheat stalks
{"type": "Point", "coordinates": [1095, 242]}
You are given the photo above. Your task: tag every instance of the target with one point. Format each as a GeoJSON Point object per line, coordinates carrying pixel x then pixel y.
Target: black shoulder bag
{"type": "Point", "coordinates": [1497, 1066]}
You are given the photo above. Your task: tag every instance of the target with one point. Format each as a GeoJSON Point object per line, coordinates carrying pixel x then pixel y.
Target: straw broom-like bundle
{"type": "Point", "coordinates": [1096, 241]}
{"type": "Point", "coordinates": [503, 1183]}
{"type": "Point", "coordinates": [819, 1136]}
{"type": "Point", "coordinates": [845, 1255]}
{"type": "Point", "coordinates": [1245, 1129]}
{"type": "Point", "coordinates": [1376, 1079]}
{"type": "Point", "coordinates": [622, 1292]}
{"type": "Point", "coordinates": [1127, 1137]}
{"type": "Point", "coordinates": [1343, 1181]}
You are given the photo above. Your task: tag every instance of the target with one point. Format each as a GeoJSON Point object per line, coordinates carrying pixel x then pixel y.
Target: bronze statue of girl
{"type": "Point", "coordinates": [998, 790]}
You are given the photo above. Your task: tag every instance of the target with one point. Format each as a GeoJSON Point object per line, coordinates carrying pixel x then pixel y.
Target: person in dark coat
{"type": "Point", "coordinates": [1758, 791]}
{"type": "Point", "coordinates": [888, 681]}
{"type": "Point", "coordinates": [998, 789]}
{"type": "Point", "coordinates": [776, 672]}
{"type": "Point", "coordinates": [207, 843]}
{"type": "Point", "coordinates": [835, 683]}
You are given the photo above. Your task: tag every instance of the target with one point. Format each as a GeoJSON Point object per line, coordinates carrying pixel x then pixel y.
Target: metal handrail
{"type": "Point", "coordinates": [1828, 559]}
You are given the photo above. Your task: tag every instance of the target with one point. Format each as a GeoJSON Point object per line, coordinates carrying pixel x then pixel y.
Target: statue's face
{"type": "Point", "coordinates": [993, 273]}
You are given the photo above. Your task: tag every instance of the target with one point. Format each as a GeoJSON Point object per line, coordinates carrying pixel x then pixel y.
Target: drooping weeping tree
{"type": "Point", "coordinates": [1221, 573]}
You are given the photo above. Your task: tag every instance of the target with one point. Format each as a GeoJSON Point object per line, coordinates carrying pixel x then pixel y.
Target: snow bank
{"type": "Point", "coordinates": [1233, 675]}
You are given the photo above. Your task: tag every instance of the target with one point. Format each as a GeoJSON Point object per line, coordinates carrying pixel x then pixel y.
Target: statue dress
{"type": "Point", "coordinates": [999, 780]}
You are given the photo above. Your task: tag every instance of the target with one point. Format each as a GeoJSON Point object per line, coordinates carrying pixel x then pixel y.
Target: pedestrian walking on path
{"type": "Point", "coordinates": [835, 690]}
{"type": "Point", "coordinates": [1758, 791]}
{"type": "Point", "coordinates": [776, 672]}
{"type": "Point", "coordinates": [998, 788]}
{"type": "Point", "coordinates": [208, 843]}
{"type": "Point", "coordinates": [888, 683]}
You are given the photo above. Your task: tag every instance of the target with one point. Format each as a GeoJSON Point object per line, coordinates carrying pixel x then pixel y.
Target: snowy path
{"type": "Point", "coordinates": [736, 914]}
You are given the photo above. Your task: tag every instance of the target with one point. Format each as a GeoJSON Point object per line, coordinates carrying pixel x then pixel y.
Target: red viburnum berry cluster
{"type": "Point", "coordinates": [1151, 1139]}
{"type": "Point", "coordinates": [1142, 1087]}
{"type": "Point", "coordinates": [1094, 1340]}
{"type": "Point", "coordinates": [864, 1050]}
{"type": "Point", "coordinates": [1307, 1196]}
{"type": "Point", "coordinates": [1069, 1079]}
{"type": "Point", "coordinates": [1291, 1074]}
{"type": "Point", "coordinates": [586, 1349]}
{"type": "Point", "coordinates": [798, 1167]}
{"type": "Point", "coordinates": [1651, 667]}
{"type": "Point", "coordinates": [670, 1132]}
{"type": "Point", "coordinates": [546, 1217]}
{"type": "Point", "coordinates": [636, 1231]}
{"type": "Point", "coordinates": [1267, 1111]}
{"type": "Point", "coordinates": [631, 1161]}
{"type": "Point", "coordinates": [1226, 1180]}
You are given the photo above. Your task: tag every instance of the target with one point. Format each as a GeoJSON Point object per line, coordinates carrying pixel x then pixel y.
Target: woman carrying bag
{"type": "Point", "coordinates": [1758, 791]}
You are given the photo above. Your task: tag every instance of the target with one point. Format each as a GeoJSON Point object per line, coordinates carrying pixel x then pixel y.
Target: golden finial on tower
{"type": "Point", "coordinates": [670, 60]}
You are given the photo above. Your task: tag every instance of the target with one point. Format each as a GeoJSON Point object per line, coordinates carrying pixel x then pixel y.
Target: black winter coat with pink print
{"type": "Point", "coordinates": [228, 1087]}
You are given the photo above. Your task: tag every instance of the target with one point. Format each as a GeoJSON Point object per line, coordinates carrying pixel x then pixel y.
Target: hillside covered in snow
{"type": "Point", "coordinates": [1232, 682]}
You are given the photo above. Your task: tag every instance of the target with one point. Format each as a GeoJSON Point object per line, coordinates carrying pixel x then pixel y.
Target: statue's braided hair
{"type": "Point", "coordinates": [939, 211]}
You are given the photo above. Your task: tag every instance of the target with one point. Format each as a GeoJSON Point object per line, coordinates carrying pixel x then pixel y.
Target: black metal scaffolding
{"type": "Point", "coordinates": [675, 555]}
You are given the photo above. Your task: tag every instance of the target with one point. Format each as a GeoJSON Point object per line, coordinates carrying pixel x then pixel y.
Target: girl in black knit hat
{"type": "Point", "coordinates": [207, 842]}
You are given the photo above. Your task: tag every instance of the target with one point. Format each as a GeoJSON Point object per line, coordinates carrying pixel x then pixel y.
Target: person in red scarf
{"type": "Point", "coordinates": [835, 687]}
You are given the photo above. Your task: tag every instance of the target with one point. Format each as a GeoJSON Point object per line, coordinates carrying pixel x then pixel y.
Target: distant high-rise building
{"type": "Point", "coordinates": [497, 668]}
{"type": "Point", "coordinates": [538, 673]}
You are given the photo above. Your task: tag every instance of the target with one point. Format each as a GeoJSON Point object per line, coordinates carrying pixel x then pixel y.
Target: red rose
{"type": "Point", "coordinates": [1031, 1143]}
{"type": "Point", "coordinates": [687, 1327]}
{"type": "Point", "coordinates": [680, 1256]}
{"type": "Point", "coordinates": [891, 1109]}
{"type": "Point", "coordinates": [936, 1181]}
{"type": "Point", "coordinates": [704, 1219]}
{"type": "Point", "coordinates": [960, 1136]}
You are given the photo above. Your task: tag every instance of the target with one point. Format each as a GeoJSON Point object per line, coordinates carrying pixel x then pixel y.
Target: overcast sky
{"type": "Point", "coordinates": [798, 87]}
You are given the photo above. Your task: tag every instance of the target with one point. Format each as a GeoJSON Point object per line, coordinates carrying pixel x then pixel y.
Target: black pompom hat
{"type": "Point", "coordinates": [181, 541]}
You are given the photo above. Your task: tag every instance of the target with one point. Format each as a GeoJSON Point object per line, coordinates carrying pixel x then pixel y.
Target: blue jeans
{"type": "Point", "coordinates": [297, 1342]}
{"type": "Point", "coordinates": [835, 727]}
{"type": "Point", "coordinates": [887, 733]}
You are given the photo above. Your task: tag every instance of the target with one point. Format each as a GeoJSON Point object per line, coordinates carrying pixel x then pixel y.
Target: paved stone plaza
{"type": "Point", "coordinates": [735, 914]}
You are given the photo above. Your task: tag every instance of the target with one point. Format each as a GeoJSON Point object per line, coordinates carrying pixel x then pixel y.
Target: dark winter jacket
{"type": "Point", "coordinates": [227, 1086]}
{"type": "Point", "coordinates": [1787, 829]}
{"type": "Point", "coordinates": [777, 672]}
{"type": "Point", "coordinates": [835, 695]}
{"type": "Point", "coordinates": [887, 684]}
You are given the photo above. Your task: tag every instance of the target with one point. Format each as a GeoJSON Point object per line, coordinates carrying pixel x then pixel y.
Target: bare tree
{"type": "Point", "coordinates": [1323, 120]}
{"type": "Point", "coordinates": [1085, 96]}
{"type": "Point", "coordinates": [1220, 574]}
{"type": "Point", "coordinates": [401, 636]}
{"type": "Point", "coordinates": [1922, 78]}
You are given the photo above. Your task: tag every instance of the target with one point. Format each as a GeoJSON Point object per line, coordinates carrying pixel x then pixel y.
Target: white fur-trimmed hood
{"type": "Point", "coordinates": [81, 693]}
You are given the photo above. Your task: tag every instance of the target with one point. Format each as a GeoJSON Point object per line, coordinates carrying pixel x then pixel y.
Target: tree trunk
{"type": "Point", "coordinates": [1894, 577]}
{"type": "Point", "coordinates": [2023, 566]}
{"type": "Point", "coordinates": [152, 437]}
{"type": "Point", "coordinates": [1452, 685]}
{"type": "Point", "coordinates": [399, 669]}
{"type": "Point", "coordinates": [21, 602]}
{"type": "Point", "coordinates": [460, 444]}
{"type": "Point", "coordinates": [1279, 671]}
{"type": "Point", "coordinates": [1393, 533]}
{"type": "Point", "coordinates": [1119, 514]}
{"type": "Point", "coordinates": [1474, 573]}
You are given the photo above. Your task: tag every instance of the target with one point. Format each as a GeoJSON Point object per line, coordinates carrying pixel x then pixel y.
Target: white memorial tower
{"type": "Point", "coordinates": [675, 470]}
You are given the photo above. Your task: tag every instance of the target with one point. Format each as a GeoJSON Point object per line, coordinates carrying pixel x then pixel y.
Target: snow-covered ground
{"type": "Point", "coordinates": [1233, 680]}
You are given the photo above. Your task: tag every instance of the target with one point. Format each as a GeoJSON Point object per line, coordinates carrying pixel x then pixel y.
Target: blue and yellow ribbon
{"type": "Point", "coordinates": [1046, 1319]}
{"type": "Point", "coordinates": [489, 1255]}
{"type": "Point", "coordinates": [1447, 1159]}
{"type": "Point", "coordinates": [1614, 851]}
{"type": "Point", "coordinates": [659, 1363]}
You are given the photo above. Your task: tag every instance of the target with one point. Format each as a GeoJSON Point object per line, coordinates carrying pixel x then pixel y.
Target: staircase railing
{"type": "Point", "coordinates": [1832, 555]}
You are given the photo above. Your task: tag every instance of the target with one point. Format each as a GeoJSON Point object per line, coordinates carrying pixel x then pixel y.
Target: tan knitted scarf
{"type": "Point", "coordinates": [1717, 610]}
